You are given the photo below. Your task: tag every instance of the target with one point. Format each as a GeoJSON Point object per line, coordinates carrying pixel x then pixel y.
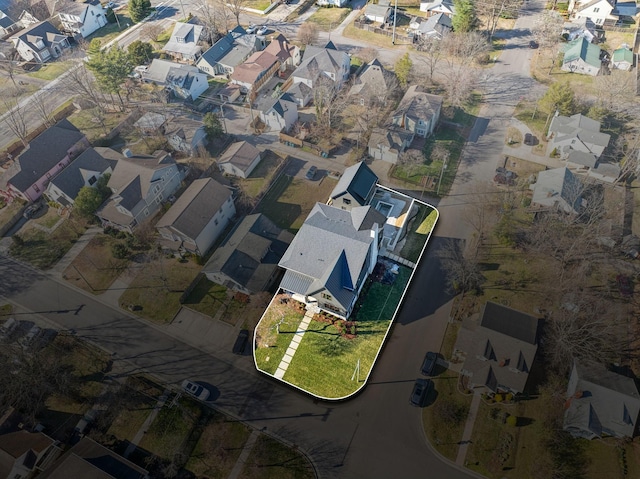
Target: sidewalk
{"type": "Point", "coordinates": [468, 429]}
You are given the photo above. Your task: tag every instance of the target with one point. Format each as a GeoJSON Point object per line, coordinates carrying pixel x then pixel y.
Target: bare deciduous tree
{"type": "Point", "coordinates": [151, 31]}
{"type": "Point", "coordinates": [367, 54]}
{"type": "Point", "coordinates": [411, 160]}
{"type": "Point", "coordinates": [464, 51]}
{"type": "Point", "coordinates": [236, 7]}
{"type": "Point", "coordinates": [493, 10]}
{"type": "Point", "coordinates": [547, 28]}
{"type": "Point", "coordinates": [38, 101]}
{"type": "Point", "coordinates": [329, 100]}
{"type": "Point", "coordinates": [431, 53]}
{"type": "Point", "coordinates": [9, 68]}
{"type": "Point", "coordinates": [613, 90]}
{"type": "Point", "coordinates": [15, 119]}
{"type": "Point", "coordinates": [461, 269]}
{"type": "Point", "coordinates": [212, 17]}
{"type": "Point", "coordinates": [308, 33]}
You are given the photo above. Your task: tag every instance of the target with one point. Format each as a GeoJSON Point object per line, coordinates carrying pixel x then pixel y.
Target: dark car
{"type": "Point", "coordinates": [32, 210]}
{"type": "Point", "coordinates": [429, 363]}
{"type": "Point", "coordinates": [529, 139]}
{"type": "Point", "coordinates": [311, 173]}
{"type": "Point", "coordinates": [533, 44]}
{"type": "Point", "coordinates": [241, 342]}
{"type": "Point", "coordinates": [420, 390]}
{"type": "Point", "coordinates": [625, 285]}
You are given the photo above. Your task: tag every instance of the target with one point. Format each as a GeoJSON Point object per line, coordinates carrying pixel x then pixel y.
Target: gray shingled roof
{"type": "Point", "coordinates": [600, 402]}
{"type": "Point", "coordinates": [418, 105]}
{"type": "Point", "coordinates": [358, 180]}
{"type": "Point", "coordinates": [240, 154]}
{"type": "Point", "coordinates": [196, 207]}
{"type": "Point", "coordinates": [317, 60]}
{"type": "Point", "coordinates": [578, 126]}
{"type": "Point", "coordinates": [44, 152]}
{"type": "Point", "coordinates": [190, 34]}
{"type": "Point", "coordinates": [76, 174]}
{"type": "Point", "coordinates": [373, 75]}
{"type": "Point", "coordinates": [557, 185]}
{"type": "Point", "coordinates": [164, 71]}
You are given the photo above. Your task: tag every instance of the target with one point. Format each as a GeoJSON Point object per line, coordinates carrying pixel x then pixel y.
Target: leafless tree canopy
{"type": "Point", "coordinates": [308, 33]}
{"type": "Point", "coordinates": [15, 119]}
{"type": "Point", "coordinates": [548, 28]}
{"type": "Point", "coordinates": [462, 270]}
{"type": "Point", "coordinates": [235, 7]}
{"type": "Point", "coordinates": [464, 52]}
{"type": "Point", "coordinates": [493, 10]}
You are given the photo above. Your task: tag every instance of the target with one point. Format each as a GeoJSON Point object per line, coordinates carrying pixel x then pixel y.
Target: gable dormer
{"type": "Point", "coordinates": [488, 353]}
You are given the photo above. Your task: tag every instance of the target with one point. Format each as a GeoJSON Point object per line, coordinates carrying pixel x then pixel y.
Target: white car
{"type": "Point", "coordinates": [251, 28]}
{"type": "Point", "coordinates": [110, 5]}
{"type": "Point", "coordinates": [195, 390]}
{"type": "Point", "coordinates": [262, 30]}
{"type": "Point", "coordinates": [141, 69]}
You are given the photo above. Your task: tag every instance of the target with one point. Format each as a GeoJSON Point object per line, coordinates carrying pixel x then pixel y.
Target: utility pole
{"type": "Point", "coordinates": [444, 166]}
{"type": "Point", "coordinates": [395, 17]}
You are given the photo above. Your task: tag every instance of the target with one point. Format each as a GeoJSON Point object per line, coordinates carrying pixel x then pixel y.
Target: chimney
{"type": "Point", "coordinates": [127, 153]}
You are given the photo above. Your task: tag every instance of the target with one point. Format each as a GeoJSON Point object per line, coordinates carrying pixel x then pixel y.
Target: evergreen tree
{"type": "Point", "coordinates": [140, 52]}
{"type": "Point", "coordinates": [139, 9]}
{"type": "Point", "coordinates": [212, 126]}
{"type": "Point", "coordinates": [559, 97]}
{"type": "Point", "coordinates": [403, 69]}
{"type": "Point", "coordinates": [465, 19]}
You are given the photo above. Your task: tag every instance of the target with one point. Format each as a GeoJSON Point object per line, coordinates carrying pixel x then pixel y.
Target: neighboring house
{"type": "Point", "coordinates": [332, 3]}
{"type": "Point", "coordinates": [139, 184]}
{"type": "Point", "coordinates": [45, 156]}
{"type": "Point", "coordinates": [230, 51]}
{"type": "Point", "coordinates": [600, 403]}
{"type": "Point", "coordinates": [557, 189]}
{"type": "Point", "coordinates": [198, 217]}
{"type": "Point", "coordinates": [418, 111]}
{"type": "Point", "coordinates": [569, 134]}
{"type": "Point", "coordinates": [387, 144]}
{"type": "Point", "coordinates": [37, 11]}
{"type": "Point", "coordinates": [255, 71]}
{"type": "Point", "coordinates": [39, 43]}
{"type": "Point", "coordinates": [82, 18]}
{"type": "Point", "coordinates": [239, 159]}
{"type": "Point", "coordinates": [622, 59]}
{"type": "Point", "coordinates": [88, 459]}
{"type": "Point", "coordinates": [607, 172]}
{"type": "Point", "coordinates": [435, 26]}
{"type": "Point", "coordinates": [373, 85]}
{"type": "Point", "coordinates": [279, 113]}
{"type": "Point", "coordinates": [85, 170]}
{"type": "Point", "coordinates": [580, 27]}
{"type": "Point", "coordinates": [186, 135]}
{"type": "Point", "coordinates": [598, 11]}
{"type": "Point", "coordinates": [498, 350]}
{"type": "Point", "coordinates": [151, 123]}
{"type": "Point", "coordinates": [355, 187]}
{"type": "Point", "coordinates": [248, 260]}
{"type": "Point", "coordinates": [23, 454]}
{"type": "Point", "coordinates": [331, 256]}
{"type": "Point", "coordinates": [185, 81]}
{"type": "Point", "coordinates": [183, 43]}
{"type": "Point", "coordinates": [378, 13]}
{"type": "Point", "coordinates": [289, 55]}
{"type": "Point", "coordinates": [7, 25]}
{"type": "Point", "coordinates": [446, 7]}
{"type": "Point", "coordinates": [301, 94]}
{"type": "Point", "coordinates": [327, 62]}
{"type": "Point", "coordinates": [582, 57]}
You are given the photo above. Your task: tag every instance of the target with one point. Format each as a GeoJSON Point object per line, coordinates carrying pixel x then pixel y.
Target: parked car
{"type": "Point", "coordinates": [30, 337]}
{"type": "Point", "coordinates": [32, 210]}
{"type": "Point", "coordinates": [241, 342]}
{"type": "Point", "coordinates": [195, 390]}
{"type": "Point", "coordinates": [420, 390]}
{"type": "Point", "coordinates": [110, 5]}
{"type": "Point", "coordinates": [533, 44]}
{"type": "Point", "coordinates": [311, 173]}
{"type": "Point", "coordinates": [262, 30]}
{"type": "Point", "coordinates": [429, 363]}
{"type": "Point", "coordinates": [252, 28]}
{"type": "Point", "coordinates": [141, 68]}
{"type": "Point", "coordinates": [86, 421]}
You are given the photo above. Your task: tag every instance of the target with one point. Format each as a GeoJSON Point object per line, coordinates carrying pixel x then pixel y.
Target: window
{"type": "Point", "coordinates": [146, 212]}
{"type": "Point", "coordinates": [596, 10]}
{"type": "Point", "coordinates": [326, 296]}
{"type": "Point", "coordinates": [346, 201]}
{"type": "Point", "coordinates": [35, 187]}
{"type": "Point", "coordinates": [92, 180]}
{"type": "Point", "coordinates": [215, 222]}
{"type": "Point", "coordinates": [48, 175]}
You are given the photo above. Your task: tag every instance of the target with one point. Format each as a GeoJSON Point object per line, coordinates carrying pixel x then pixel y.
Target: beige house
{"type": "Point", "coordinates": [239, 159]}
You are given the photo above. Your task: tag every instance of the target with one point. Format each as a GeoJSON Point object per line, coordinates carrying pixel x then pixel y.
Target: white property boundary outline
{"type": "Point", "coordinates": [386, 334]}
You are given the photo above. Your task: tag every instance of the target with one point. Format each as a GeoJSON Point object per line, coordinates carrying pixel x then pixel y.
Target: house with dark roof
{"type": "Point", "coordinates": [582, 57]}
{"type": "Point", "coordinates": [373, 85]}
{"type": "Point", "coordinates": [23, 454]}
{"type": "Point", "coordinates": [45, 156]}
{"type": "Point", "coordinates": [557, 189]}
{"type": "Point", "coordinates": [355, 187]}
{"type": "Point", "coordinates": [239, 159]}
{"type": "Point", "coordinates": [230, 51]}
{"type": "Point", "coordinates": [248, 259]}
{"type": "Point", "coordinates": [387, 144]}
{"type": "Point", "coordinates": [327, 63]}
{"type": "Point", "coordinates": [198, 217]}
{"type": "Point", "coordinates": [89, 460]}
{"type": "Point", "coordinates": [600, 403]}
{"type": "Point", "coordinates": [186, 135]}
{"type": "Point", "coordinates": [39, 43]}
{"type": "Point", "coordinates": [498, 350]}
{"type": "Point", "coordinates": [82, 17]}
{"type": "Point", "coordinates": [184, 42]}
{"type": "Point", "coordinates": [418, 111]}
{"type": "Point", "coordinates": [185, 81]}
{"type": "Point", "coordinates": [85, 170]}
{"type": "Point", "coordinates": [7, 25]}
{"type": "Point", "coordinates": [140, 184]}
{"type": "Point", "coordinates": [571, 135]}
{"type": "Point", "coordinates": [279, 113]}
{"type": "Point", "coordinates": [36, 11]}
{"type": "Point", "coordinates": [331, 256]}
{"type": "Point", "coordinates": [435, 26]}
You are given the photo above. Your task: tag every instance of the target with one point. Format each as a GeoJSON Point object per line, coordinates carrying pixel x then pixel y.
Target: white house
{"type": "Point", "coordinates": [185, 81]}
{"type": "Point", "coordinates": [7, 25]}
{"type": "Point", "coordinates": [41, 42]}
{"type": "Point", "coordinates": [378, 13]}
{"type": "Point", "coordinates": [438, 6]}
{"type": "Point", "coordinates": [582, 57]}
{"type": "Point", "coordinates": [183, 43]}
{"type": "Point", "coordinates": [598, 11]}
{"type": "Point", "coordinates": [82, 18]}
{"type": "Point", "coordinates": [332, 3]}
{"type": "Point", "coordinates": [198, 217]}
{"type": "Point", "coordinates": [280, 113]}
{"type": "Point", "coordinates": [239, 159]}
{"type": "Point", "coordinates": [418, 111]}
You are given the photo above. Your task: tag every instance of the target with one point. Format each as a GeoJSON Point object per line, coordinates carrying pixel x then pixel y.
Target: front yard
{"type": "Point", "coordinates": [329, 18]}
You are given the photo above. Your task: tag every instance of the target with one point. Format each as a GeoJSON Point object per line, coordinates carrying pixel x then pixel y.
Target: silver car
{"type": "Point", "coordinates": [195, 390]}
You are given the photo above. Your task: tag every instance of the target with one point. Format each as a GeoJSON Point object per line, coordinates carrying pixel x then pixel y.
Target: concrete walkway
{"type": "Point", "coordinates": [147, 424]}
{"type": "Point", "coordinates": [468, 429]}
{"type": "Point", "coordinates": [244, 455]}
{"type": "Point", "coordinates": [293, 346]}
{"type": "Point", "coordinates": [75, 250]}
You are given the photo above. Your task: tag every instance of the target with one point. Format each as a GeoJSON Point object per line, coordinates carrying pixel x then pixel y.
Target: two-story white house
{"type": "Point", "coordinates": [82, 17]}
{"type": "Point", "coordinates": [598, 11]}
{"type": "Point", "coordinates": [140, 183]}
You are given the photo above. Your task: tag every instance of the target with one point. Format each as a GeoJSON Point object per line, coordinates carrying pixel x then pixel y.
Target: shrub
{"type": "Point", "coordinates": [17, 240]}
{"type": "Point", "coordinates": [512, 421]}
{"type": "Point", "coordinates": [119, 251]}
{"type": "Point", "coordinates": [508, 397]}
{"type": "Point", "coordinates": [498, 397]}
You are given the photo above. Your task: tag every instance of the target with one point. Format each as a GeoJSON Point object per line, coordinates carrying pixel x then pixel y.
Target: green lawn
{"type": "Point", "coordinates": [325, 360]}
{"type": "Point", "coordinates": [87, 122]}
{"type": "Point", "coordinates": [417, 236]}
{"type": "Point", "coordinates": [51, 71]}
{"type": "Point", "coordinates": [270, 459]}
{"type": "Point", "coordinates": [112, 30]}
{"type": "Point", "coordinates": [257, 4]}
{"type": "Point", "coordinates": [261, 176]}
{"type": "Point", "coordinates": [274, 333]}
{"type": "Point", "coordinates": [329, 18]}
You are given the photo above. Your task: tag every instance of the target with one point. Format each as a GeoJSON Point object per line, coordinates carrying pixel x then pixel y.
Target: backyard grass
{"type": "Point", "coordinates": [43, 250]}
{"type": "Point", "coordinates": [158, 286]}
{"type": "Point", "coordinates": [274, 333]}
{"type": "Point", "coordinates": [324, 349]}
{"type": "Point", "coordinates": [8, 211]}
{"type": "Point", "coordinates": [218, 447]}
{"type": "Point", "coordinates": [270, 459]}
{"type": "Point", "coordinates": [419, 232]}
{"type": "Point", "coordinates": [49, 219]}
{"type": "Point", "coordinates": [86, 122]}
{"type": "Point", "coordinates": [171, 428]}
{"type": "Point", "coordinates": [261, 176]}
{"type": "Point", "coordinates": [51, 71]}
{"type": "Point", "coordinates": [260, 5]}
{"type": "Point", "coordinates": [329, 18]}
{"type": "Point", "coordinates": [112, 30]}
{"type": "Point", "coordinates": [95, 268]}
{"type": "Point", "coordinates": [536, 120]}
{"type": "Point", "coordinates": [443, 434]}
{"type": "Point", "coordinates": [289, 200]}
{"type": "Point", "coordinates": [351, 31]}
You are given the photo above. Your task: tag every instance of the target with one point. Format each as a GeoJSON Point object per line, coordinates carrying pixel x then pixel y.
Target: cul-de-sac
{"type": "Point", "coordinates": [278, 239]}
